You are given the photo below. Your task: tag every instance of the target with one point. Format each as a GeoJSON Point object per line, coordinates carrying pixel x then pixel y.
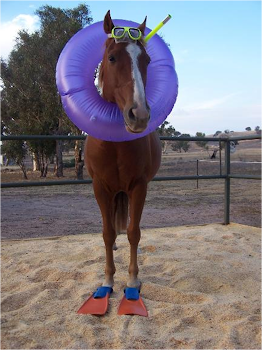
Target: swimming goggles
{"type": "Point", "coordinates": [119, 33]}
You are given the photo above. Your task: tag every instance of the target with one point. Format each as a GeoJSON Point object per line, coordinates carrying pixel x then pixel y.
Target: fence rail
{"type": "Point", "coordinates": [226, 177]}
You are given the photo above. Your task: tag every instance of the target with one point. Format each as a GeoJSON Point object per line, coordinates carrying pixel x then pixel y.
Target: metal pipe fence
{"type": "Point", "coordinates": [226, 177]}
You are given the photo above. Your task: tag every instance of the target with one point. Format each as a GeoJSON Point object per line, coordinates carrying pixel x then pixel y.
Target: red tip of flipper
{"type": "Point", "coordinates": [132, 307]}
{"type": "Point", "coordinates": [94, 306]}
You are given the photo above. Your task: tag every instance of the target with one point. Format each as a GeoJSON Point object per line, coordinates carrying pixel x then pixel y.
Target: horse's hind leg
{"type": "Point", "coordinates": [105, 202]}
{"type": "Point", "coordinates": [137, 199]}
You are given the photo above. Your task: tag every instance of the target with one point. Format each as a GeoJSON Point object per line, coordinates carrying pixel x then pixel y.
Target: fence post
{"type": "Point", "coordinates": [197, 172]}
{"type": "Point", "coordinates": [227, 184]}
{"type": "Point", "coordinates": [220, 158]}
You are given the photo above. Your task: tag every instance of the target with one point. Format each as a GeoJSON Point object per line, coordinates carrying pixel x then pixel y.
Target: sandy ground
{"type": "Point", "coordinates": [201, 286]}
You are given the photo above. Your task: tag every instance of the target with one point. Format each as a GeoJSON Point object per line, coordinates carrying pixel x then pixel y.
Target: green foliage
{"type": "Point", "coordinates": [15, 150]}
{"type": "Point", "coordinates": [29, 100]}
{"type": "Point", "coordinates": [181, 145]}
{"type": "Point", "coordinates": [165, 129]}
{"type": "Point", "coordinates": [202, 144]}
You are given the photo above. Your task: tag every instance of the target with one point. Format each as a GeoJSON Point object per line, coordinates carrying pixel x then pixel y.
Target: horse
{"type": "Point", "coordinates": [121, 171]}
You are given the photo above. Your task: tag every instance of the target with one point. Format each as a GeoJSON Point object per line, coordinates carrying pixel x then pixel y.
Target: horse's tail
{"type": "Point", "coordinates": [121, 212]}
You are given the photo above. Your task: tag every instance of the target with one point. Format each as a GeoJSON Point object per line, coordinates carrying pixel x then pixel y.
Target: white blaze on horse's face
{"type": "Point", "coordinates": [139, 89]}
{"type": "Point", "coordinates": [137, 117]}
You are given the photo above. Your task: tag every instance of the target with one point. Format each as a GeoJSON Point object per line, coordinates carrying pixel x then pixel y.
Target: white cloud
{"type": "Point", "coordinates": [9, 30]}
{"type": "Point", "coordinates": [226, 112]}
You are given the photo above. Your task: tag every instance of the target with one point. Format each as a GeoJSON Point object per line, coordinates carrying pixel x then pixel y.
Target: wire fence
{"type": "Point", "coordinates": [227, 176]}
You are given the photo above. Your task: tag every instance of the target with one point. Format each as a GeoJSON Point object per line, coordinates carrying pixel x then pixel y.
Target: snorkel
{"type": "Point", "coordinates": [160, 25]}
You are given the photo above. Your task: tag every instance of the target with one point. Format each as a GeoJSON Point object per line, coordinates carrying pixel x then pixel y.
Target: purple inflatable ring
{"type": "Point", "coordinates": [81, 100]}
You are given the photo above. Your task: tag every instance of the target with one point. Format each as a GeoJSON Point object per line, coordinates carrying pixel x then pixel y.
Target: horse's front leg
{"type": "Point", "coordinates": [137, 199]}
{"type": "Point", "coordinates": [105, 201]}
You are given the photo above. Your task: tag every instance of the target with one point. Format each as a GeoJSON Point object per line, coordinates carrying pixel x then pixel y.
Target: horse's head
{"type": "Point", "coordinates": [123, 75]}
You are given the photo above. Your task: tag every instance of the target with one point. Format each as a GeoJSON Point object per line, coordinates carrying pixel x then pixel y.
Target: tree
{"type": "Point", "coordinates": [22, 102]}
{"type": "Point", "coordinates": [165, 129]}
{"type": "Point", "coordinates": [248, 128]}
{"type": "Point", "coordinates": [181, 145]}
{"type": "Point", "coordinates": [257, 130]}
{"type": "Point", "coordinates": [30, 99]}
{"type": "Point", "coordinates": [202, 144]}
{"type": "Point", "coordinates": [79, 162]}
{"type": "Point", "coordinates": [16, 150]}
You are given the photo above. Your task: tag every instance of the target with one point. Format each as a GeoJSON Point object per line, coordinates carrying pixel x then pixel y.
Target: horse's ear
{"type": "Point", "coordinates": [108, 23]}
{"type": "Point", "coordinates": [142, 26]}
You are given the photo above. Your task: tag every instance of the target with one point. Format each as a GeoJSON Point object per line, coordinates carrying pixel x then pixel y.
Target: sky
{"type": "Point", "coordinates": [216, 46]}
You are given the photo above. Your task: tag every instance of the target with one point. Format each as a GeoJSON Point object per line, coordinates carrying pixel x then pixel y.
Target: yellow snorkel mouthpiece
{"type": "Point", "coordinates": [160, 25]}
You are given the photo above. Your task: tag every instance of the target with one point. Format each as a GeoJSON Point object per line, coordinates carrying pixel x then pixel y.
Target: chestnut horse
{"type": "Point", "coordinates": [122, 170]}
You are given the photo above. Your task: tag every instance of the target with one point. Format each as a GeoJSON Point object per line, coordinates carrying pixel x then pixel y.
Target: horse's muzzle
{"type": "Point", "coordinates": [137, 118]}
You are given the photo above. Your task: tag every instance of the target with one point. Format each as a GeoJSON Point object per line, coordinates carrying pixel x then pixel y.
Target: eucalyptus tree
{"type": "Point", "coordinates": [181, 145]}
{"type": "Point", "coordinates": [30, 101]}
{"type": "Point", "coordinates": [166, 129]}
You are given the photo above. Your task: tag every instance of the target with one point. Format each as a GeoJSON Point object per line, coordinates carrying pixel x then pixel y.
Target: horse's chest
{"type": "Point", "coordinates": [117, 164]}
{"type": "Point", "coordinates": [126, 165]}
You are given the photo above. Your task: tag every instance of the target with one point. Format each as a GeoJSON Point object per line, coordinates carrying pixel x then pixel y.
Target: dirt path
{"type": "Point", "coordinates": [70, 210]}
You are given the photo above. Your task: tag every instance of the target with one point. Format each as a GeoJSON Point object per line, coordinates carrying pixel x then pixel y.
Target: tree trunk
{"type": "Point", "coordinates": [45, 169]}
{"type": "Point", "coordinates": [43, 165]}
{"type": "Point", "coordinates": [6, 162]}
{"type": "Point", "coordinates": [36, 162]}
{"type": "Point", "coordinates": [23, 167]}
{"type": "Point", "coordinates": [164, 151]}
{"type": "Point", "coordinates": [59, 159]}
{"type": "Point", "coordinates": [79, 163]}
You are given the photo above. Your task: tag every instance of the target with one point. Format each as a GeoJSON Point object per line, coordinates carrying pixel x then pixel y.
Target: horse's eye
{"type": "Point", "coordinates": [111, 58]}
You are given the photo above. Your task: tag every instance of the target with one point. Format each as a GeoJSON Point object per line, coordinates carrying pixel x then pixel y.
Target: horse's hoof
{"type": "Point", "coordinates": [134, 284]}
{"type": "Point", "coordinates": [115, 246]}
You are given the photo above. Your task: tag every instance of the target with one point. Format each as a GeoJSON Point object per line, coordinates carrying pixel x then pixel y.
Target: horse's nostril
{"type": "Point", "coordinates": [131, 114]}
